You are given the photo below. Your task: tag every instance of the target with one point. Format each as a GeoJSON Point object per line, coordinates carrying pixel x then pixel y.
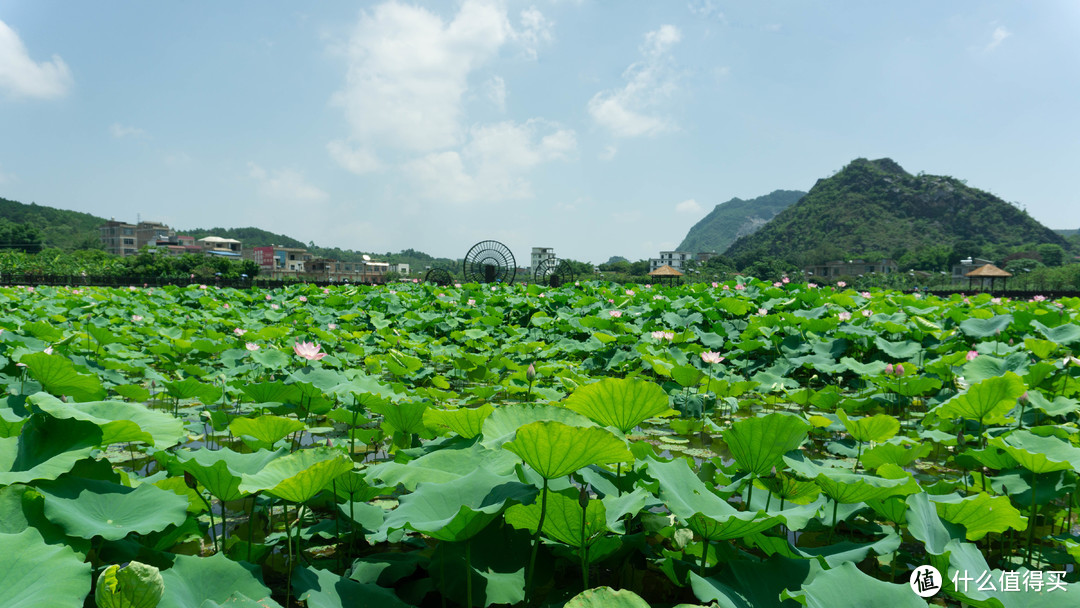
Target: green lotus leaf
{"type": "Point", "coordinates": [989, 366]}
{"type": "Point", "coordinates": [34, 574]}
{"type": "Point", "coordinates": [845, 586]}
{"type": "Point", "coordinates": [992, 457]}
{"type": "Point", "coordinates": [10, 423]}
{"type": "Point", "coordinates": [622, 404]}
{"type": "Point", "coordinates": [751, 584]}
{"type": "Point", "coordinates": [132, 392]}
{"type": "Point", "coordinates": [442, 465]}
{"type": "Point", "coordinates": [1039, 454]}
{"type": "Point", "coordinates": [459, 509]}
{"type": "Point", "coordinates": [120, 421]}
{"type": "Point", "coordinates": [870, 428]}
{"type": "Point", "coordinates": [271, 392]}
{"type": "Point", "coordinates": [299, 476]}
{"type": "Point", "coordinates": [46, 448]}
{"type": "Point", "coordinates": [899, 453]}
{"type": "Point", "coordinates": [847, 487]}
{"type": "Point", "coordinates": [682, 491]}
{"type": "Point", "coordinates": [405, 417]}
{"type": "Point", "coordinates": [563, 518]}
{"type": "Point", "coordinates": [988, 401]}
{"type": "Point", "coordinates": [606, 597]}
{"type": "Point", "coordinates": [554, 449]}
{"type": "Point", "coordinates": [265, 430]}
{"type": "Point", "coordinates": [194, 581]}
{"type": "Point", "coordinates": [57, 375]}
{"type": "Point", "coordinates": [466, 422]}
{"type": "Point", "coordinates": [221, 471]}
{"type": "Point", "coordinates": [980, 514]}
{"type": "Point", "coordinates": [136, 585]}
{"type": "Point", "coordinates": [324, 589]}
{"type": "Point", "coordinates": [191, 388]}
{"type": "Point", "coordinates": [87, 508]}
{"type": "Point", "coordinates": [871, 368]}
{"type": "Point", "coordinates": [904, 350]}
{"type": "Point", "coordinates": [1060, 406]}
{"type": "Point", "coordinates": [984, 328]}
{"type": "Point", "coordinates": [758, 444]}
{"type": "Point", "coordinates": [1064, 334]}
{"type": "Point", "coordinates": [686, 375]}
{"type": "Point", "coordinates": [731, 526]}
{"type": "Point", "coordinates": [504, 422]}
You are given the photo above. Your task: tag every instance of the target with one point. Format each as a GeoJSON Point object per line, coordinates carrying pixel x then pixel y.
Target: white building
{"type": "Point", "coordinates": [539, 254]}
{"type": "Point", "coordinates": [675, 259]}
{"type": "Point", "coordinates": [401, 268]}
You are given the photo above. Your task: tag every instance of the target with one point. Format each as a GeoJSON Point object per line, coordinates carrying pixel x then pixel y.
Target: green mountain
{"type": "Point", "coordinates": [876, 209]}
{"type": "Point", "coordinates": [735, 218]}
{"type": "Point", "coordinates": [58, 228]}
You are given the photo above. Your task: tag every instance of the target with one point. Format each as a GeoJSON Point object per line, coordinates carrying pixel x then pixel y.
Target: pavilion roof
{"type": "Point", "coordinates": [665, 271]}
{"type": "Point", "coordinates": [988, 270]}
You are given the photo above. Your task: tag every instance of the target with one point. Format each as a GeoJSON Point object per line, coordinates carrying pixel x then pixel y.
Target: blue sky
{"type": "Point", "coordinates": [598, 128]}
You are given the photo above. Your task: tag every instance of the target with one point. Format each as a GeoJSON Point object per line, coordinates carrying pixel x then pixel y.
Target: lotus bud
{"type": "Point", "coordinates": [530, 374]}
{"type": "Point", "coordinates": [190, 481]}
{"type": "Point", "coordinates": [899, 369]}
{"type": "Point", "coordinates": [889, 369]}
{"type": "Point", "coordinates": [583, 498]}
{"type": "Point", "coordinates": [1023, 398]}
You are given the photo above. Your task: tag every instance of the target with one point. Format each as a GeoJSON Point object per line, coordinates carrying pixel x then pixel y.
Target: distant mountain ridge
{"type": "Point", "coordinates": [735, 218]}
{"type": "Point", "coordinates": [877, 208]}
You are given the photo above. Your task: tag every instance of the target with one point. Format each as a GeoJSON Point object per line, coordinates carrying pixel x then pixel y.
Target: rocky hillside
{"type": "Point", "coordinates": [735, 218]}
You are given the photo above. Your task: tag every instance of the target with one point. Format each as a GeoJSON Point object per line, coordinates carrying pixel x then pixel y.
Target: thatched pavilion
{"type": "Point", "coordinates": [666, 272]}
{"type": "Point", "coordinates": [988, 271]}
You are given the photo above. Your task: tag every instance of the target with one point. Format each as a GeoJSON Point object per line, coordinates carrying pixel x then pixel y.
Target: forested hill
{"type": "Point", "coordinates": [732, 219]}
{"type": "Point", "coordinates": [876, 208]}
{"type": "Point", "coordinates": [58, 228]}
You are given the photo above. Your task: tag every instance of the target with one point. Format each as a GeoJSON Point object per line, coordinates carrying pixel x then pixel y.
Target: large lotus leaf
{"type": "Point", "coordinates": [1060, 406]}
{"type": "Point", "coordinates": [846, 586]}
{"type": "Point", "coordinates": [220, 471]}
{"type": "Point", "coordinates": [686, 375]}
{"type": "Point", "coordinates": [324, 589]}
{"type": "Point", "coordinates": [830, 555]}
{"type": "Point", "coordinates": [88, 507]}
{"type": "Point", "coordinates": [190, 388]}
{"type": "Point", "coordinates": [299, 476]}
{"type": "Point", "coordinates": [271, 392]}
{"type": "Point", "coordinates": [405, 417]}
{"type": "Point", "coordinates": [871, 368]}
{"type": "Point", "coordinates": [554, 449]}
{"type": "Point", "coordinates": [870, 428]}
{"type": "Point", "coordinates": [458, 510]}
{"type": "Point", "coordinates": [562, 519]}
{"type": "Point", "coordinates": [846, 487]}
{"type": "Point", "coordinates": [682, 491]}
{"type": "Point", "coordinates": [901, 454]}
{"type": "Point", "coordinates": [758, 444]}
{"type": "Point", "coordinates": [10, 423]}
{"type": "Point", "coordinates": [735, 525]}
{"type": "Point", "coordinates": [988, 366]}
{"type": "Point", "coordinates": [192, 581]}
{"type": "Point", "coordinates": [34, 574]}
{"type": "Point", "coordinates": [136, 585]}
{"type": "Point", "coordinates": [750, 584]}
{"type": "Point", "coordinates": [981, 514]}
{"type": "Point", "coordinates": [365, 389]}
{"type": "Point", "coordinates": [57, 375]}
{"type": "Point", "coordinates": [606, 597]}
{"type": "Point", "coordinates": [46, 448]}
{"type": "Point", "coordinates": [504, 422]}
{"type": "Point", "coordinates": [987, 401]}
{"type": "Point", "coordinates": [442, 465]}
{"type": "Point", "coordinates": [1037, 453]}
{"type": "Point", "coordinates": [1062, 334]}
{"type": "Point", "coordinates": [466, 422]}
{"type": "Point", "coordinates": [120, 421]}
{"type": "Point", "coordinates": [898, 350]}
{"type": "Point", "coordinates": [984, 328]}
{"type": "Point", "coordinates": [619, 403]}
{"type": "Point", "coordinates": [266, 430]}
{"type": "Point", "coordinates": [924, 523]}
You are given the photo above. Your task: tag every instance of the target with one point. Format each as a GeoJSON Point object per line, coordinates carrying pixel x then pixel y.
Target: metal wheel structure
{"type": "Point", "coordinates": [489, 262]}
{"type": "Point", "coordinates": [553, 273]}
{"type": "Point", "coordinates": [439, 276]}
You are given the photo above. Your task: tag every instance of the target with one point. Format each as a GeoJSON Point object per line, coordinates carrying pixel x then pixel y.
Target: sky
{"type": "Point", "coordinates": [595, 127]}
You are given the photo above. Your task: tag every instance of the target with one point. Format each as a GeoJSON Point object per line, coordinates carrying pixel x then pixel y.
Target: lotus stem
{"type": "Point", "coordinates": [468, 572]}
{"type": "Point", "coordinates": [288, 548]}
{"type": "Point", "coordinates": [835, 507]}
{"type": "Point", "coordinates": [251, 525]}
{"type": "Point", "coordinates": [750, 492]}
{"type": "Point", "coordinates": [536, 541]}
{"type": "Point", "coordinates": [337, 524]}
{"type": "Point", "coordinates": [583, 499]}
{"type": "Point", "coordinates": [1032, 515]}
{"type": "Point", "coordinates": [704, 556]}
{"type": "Point", "coordinates": [213, 535]}
{"type": "Point", "coordinates": [858, 455]}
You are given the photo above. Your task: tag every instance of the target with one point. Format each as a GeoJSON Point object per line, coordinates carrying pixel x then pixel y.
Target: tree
{"type": "Point", "coordinates": [1051, 254]}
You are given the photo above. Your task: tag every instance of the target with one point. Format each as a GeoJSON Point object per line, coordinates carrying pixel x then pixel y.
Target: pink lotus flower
{"type": "Point", "coordinates": [715, 285]}
{"type": "Point", "coordinates": [325, 290]}
{"type": "Point", "coordinates": [899, 369]}
{"type": "Point", "coordinates": [785, 280]}
{"type": "Point", "coordinates": [416, 280]}
{"type": "Point", "coordinates": [1038, 298]}
{"type": "Point", "coordinates": [202, 286]}
{"type": "Point", "coordinates": [251, 346]}
{"type": "Point", "coordinates": [268, 297]}
{"type": "Point", "coordinates": [225, 306]}
{"type": "Point", "coordinates": [889, 369]}
{"type": "Point", "coordinates": [995, 300]}
{"type": "Point", "coordinates": [867, 313]}
{"type": "Point", "coordinates": [740, 287]}
{"type": "Point", "coordinates": [457, 285]}
{"type": "Point", "coordinates": [471, 302]}
{"type": "Point", "coordinates": [971, 354]}
{"type": "Point", "coordinates": [331, 326]}
{"type": "Point", "coordinates": [662, 335]}
{"type": "Point", "coordinates": [844, 316]}
{"type": "Point", "coordinates": [274, 306]}
{"type": "Point", "coordinates": [303, 298]}
{"type": "Point", "coordinates": [841, 284]}
{"type": "Point", "coordinates": [811, 285]}
{"type": "Point", "coordinates": [727, 288]}
{"type": "Point", "coordinates": [777, 284]}
{"type": "Point", "coordinates": [610, 301]}
{"type": "Point", "coordinates": [238, 331]}
{"type": "Point", "coordinates": [48, 350]}
{"type": "Point", "coordinates": [308, 350]}
{"type": "Point", "coordinates": [711, 357]}
{"type": "Point", "coordinates": [629, 292]}
{"type": "Point", "coordinates": [136, 318]}
{"type": "Point", "coordinates": [762, 312]}
{"type": "Point", "coordinates": [865, 294]}
{"type": "Point", "coordinates": [615, 313]}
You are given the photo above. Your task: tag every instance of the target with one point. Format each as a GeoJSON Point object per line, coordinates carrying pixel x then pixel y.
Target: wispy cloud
{"type": "Point", "coordinates": [284, 185]}
{"type": "Point", "coordinates": [21, 76]}
{"type": "Point", "coordinates": [120, 131]}
{"type": "Point", "coordinates": [999, 36]}
{"type": "Point", "coordinates": [689, 207]}
{"type": "Point", "coordinates": [705, 9]}
{"type": "Point", "coordinates": [628, 111]}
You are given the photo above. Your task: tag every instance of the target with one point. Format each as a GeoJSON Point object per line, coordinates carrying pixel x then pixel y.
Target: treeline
{"type": "Point", "coordinates": [99, 263]}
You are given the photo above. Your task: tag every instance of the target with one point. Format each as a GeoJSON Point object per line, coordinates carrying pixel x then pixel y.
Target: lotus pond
{"type": "Point", "coordinates": [742, 444]}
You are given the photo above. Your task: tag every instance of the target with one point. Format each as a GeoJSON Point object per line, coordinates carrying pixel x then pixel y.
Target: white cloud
{"type": "Point", "coordinates": [496, 92]}
{"type": "Point", "coordinates": [625, 111]}
{"type": "Point", "coordinates": [21, 76]}
{"type": "Point", "coordinates": [999, 36]}
{"type": "Point", "coordinates": [284, 185]}
{"type": "Point", "coordinates": [535, 30]}
{"type": "Point", "coordinates": [408, 72]}
{"type": "Point", "coordinates": [608, 153]}
{"type": "Point", "coordinates": [492, 166]}
{"type": "Point", "coordinates": [689, 207]}
{"type": "Point", "coordinates": [356, 160]}
{"type": "Point", "coordinates": [120, 131]}
{"type": "Point", "coordinates": [706, 9]}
